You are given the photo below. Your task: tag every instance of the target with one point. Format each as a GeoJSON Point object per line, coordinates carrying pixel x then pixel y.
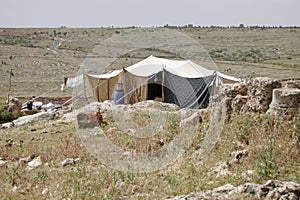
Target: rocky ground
{"type": "Point", "coordinates": [42, 156]}
{"type": "Point", "coordinates": [272, 189]}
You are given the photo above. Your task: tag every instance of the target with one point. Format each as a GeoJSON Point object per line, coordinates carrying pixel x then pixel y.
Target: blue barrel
{"type": "Point", "coordinates": [119, 94]}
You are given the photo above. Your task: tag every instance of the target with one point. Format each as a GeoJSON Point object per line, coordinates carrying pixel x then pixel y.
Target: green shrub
{"type": "Point", "coordinates": [6, 116]}
{"type": "Point", "coordinates": [267, 166]}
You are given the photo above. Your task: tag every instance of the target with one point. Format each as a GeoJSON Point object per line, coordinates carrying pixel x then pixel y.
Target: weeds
{"type": "Point", "coordinates": [272, 154]}
{"type": "Point", "coordinates": [6, 116]}
{"type": "Point", "coordinates": [296, 131]}
{"type": "Point", "coordinates": [266, 166]}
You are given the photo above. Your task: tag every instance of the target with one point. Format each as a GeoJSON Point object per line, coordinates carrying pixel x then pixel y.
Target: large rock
{"type": "Point", "coordinates": [285, 103]}
{"type": "Point", "coordinates": [30, 118]}
{"type": "Point", "coordinates": [86, 116]}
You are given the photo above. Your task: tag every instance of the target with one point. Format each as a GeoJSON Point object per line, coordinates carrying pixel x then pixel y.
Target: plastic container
{"type": "Point", "coordinates": [119, 94]}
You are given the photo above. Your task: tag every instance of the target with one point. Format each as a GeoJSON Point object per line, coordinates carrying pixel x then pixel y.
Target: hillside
{"type": "Point", "coordinates": [241, 151]}
{"type": "Point", "coordinates": [40, 58]}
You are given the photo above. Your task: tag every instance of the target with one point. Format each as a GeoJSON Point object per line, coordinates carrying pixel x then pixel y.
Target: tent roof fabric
{"type": "Point", "coordinates": [226, 77]}
{"type": "Point", "coordinates": [153, 65]}
{"type": "Point", "coordinates": [107, 75]}
{"type": "Point", "coordinates": [183, 68]}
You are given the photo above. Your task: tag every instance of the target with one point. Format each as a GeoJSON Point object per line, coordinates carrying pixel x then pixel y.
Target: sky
{"type": "Point", "coordinates": [148, 13]}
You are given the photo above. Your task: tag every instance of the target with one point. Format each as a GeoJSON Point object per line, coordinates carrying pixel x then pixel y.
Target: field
{"type": "Point", "coordinates": [40, 58]}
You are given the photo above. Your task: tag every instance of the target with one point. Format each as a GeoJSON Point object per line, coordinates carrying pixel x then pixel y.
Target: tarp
{"type": "Point", "coordinates": [135, 87]}
{"type": "Point", "coordinates": [73, 81]}
{"type": "Point", "coordinates": [187, 92]}
{"type": "Point", "coordinates": [103, 85]}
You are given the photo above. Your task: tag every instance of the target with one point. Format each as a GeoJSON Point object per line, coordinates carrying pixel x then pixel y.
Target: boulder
{"type": "Point", "coordinates": [87, 119]}
{"type": "Point", "coordinates": [285, 103]}
{"type": "Point", "coordinates": [30, 118]}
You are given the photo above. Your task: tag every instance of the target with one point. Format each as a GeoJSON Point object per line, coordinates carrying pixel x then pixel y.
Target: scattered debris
{"type": "Point", "coordinates": [237, 156]}
{"type": "Point", "coordinates": [15, 188]}
{"type": "Point", "coordinates": [45, 191]}
{"type": "Point", "coordinates": [70, 161]}
{"type": "Point", "coordinates": [221, 169]}
{"type": "Point", "coordinates": [9, 143]}
{"type": "Point", "coordinates": [3, 163]}
{"type": "Point", "coordinates": [27, 159]}
{"type": "Point", "coordinates": [35, 162]}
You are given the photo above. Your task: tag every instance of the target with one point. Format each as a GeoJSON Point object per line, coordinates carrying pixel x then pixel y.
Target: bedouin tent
{"type": "Point", "coordinates": [181, 82]}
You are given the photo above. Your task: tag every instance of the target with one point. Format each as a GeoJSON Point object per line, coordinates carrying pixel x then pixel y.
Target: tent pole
{"type": "Point", "coordinates": [84, 89]}
{"type": "Point", "coordinates": [162, 84]}
{"type": "Point", "coordinates": [10, 75]}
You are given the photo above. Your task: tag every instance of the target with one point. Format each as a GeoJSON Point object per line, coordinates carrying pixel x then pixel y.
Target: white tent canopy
{"type": "Point", "coordinates": [182, 68]}
{"type": "Point", "coordinates": [107, 75]}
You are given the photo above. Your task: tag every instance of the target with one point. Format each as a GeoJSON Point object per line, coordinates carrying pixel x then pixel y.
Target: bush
{"type": "Point", "coordinates": [6, 116]}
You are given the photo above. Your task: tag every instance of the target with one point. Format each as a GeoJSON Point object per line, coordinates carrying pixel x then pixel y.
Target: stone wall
{"type": "Point", "coordinates": [254, 95]}
{"type": "Point", "coordinates": [280, 99]}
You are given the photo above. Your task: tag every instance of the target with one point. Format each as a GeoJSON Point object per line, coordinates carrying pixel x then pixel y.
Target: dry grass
{"type": "Point", "coordinates": [273, 154]}
{"type": "Point", "coordinates": [273, 147]}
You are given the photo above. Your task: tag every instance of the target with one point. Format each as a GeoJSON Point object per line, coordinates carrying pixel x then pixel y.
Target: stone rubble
{"type": "Point", "coordinates": [70, 161]}
{"type": "Point", "coordinates": [26, 160]}
{"type": "Point", "coordinates": [222, 168]}
{"type": "Point", "coordinates": [255, 95]}
{"type": "Point", "coordinates": [271, 190]}
{"type": "Point", "coordinates": [238, 156]}
{"type": "Point", "coordinates": [3, 163]}
{"type": "Point", "coordinates": [35, 162]}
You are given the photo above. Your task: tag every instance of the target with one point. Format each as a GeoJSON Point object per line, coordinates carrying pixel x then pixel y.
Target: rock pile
{"type": "Point", "coordinates": [291, 84]}
{"type": "Point", "coordinates": [272, 189]}
{"type": "Point", "coordinates": [254, 95]}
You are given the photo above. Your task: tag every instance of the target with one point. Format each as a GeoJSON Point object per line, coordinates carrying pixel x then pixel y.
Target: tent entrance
{"type": "Point", "coordinates": [155, 86]}
{"type": "Point", "coordinates": [154, 90]}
